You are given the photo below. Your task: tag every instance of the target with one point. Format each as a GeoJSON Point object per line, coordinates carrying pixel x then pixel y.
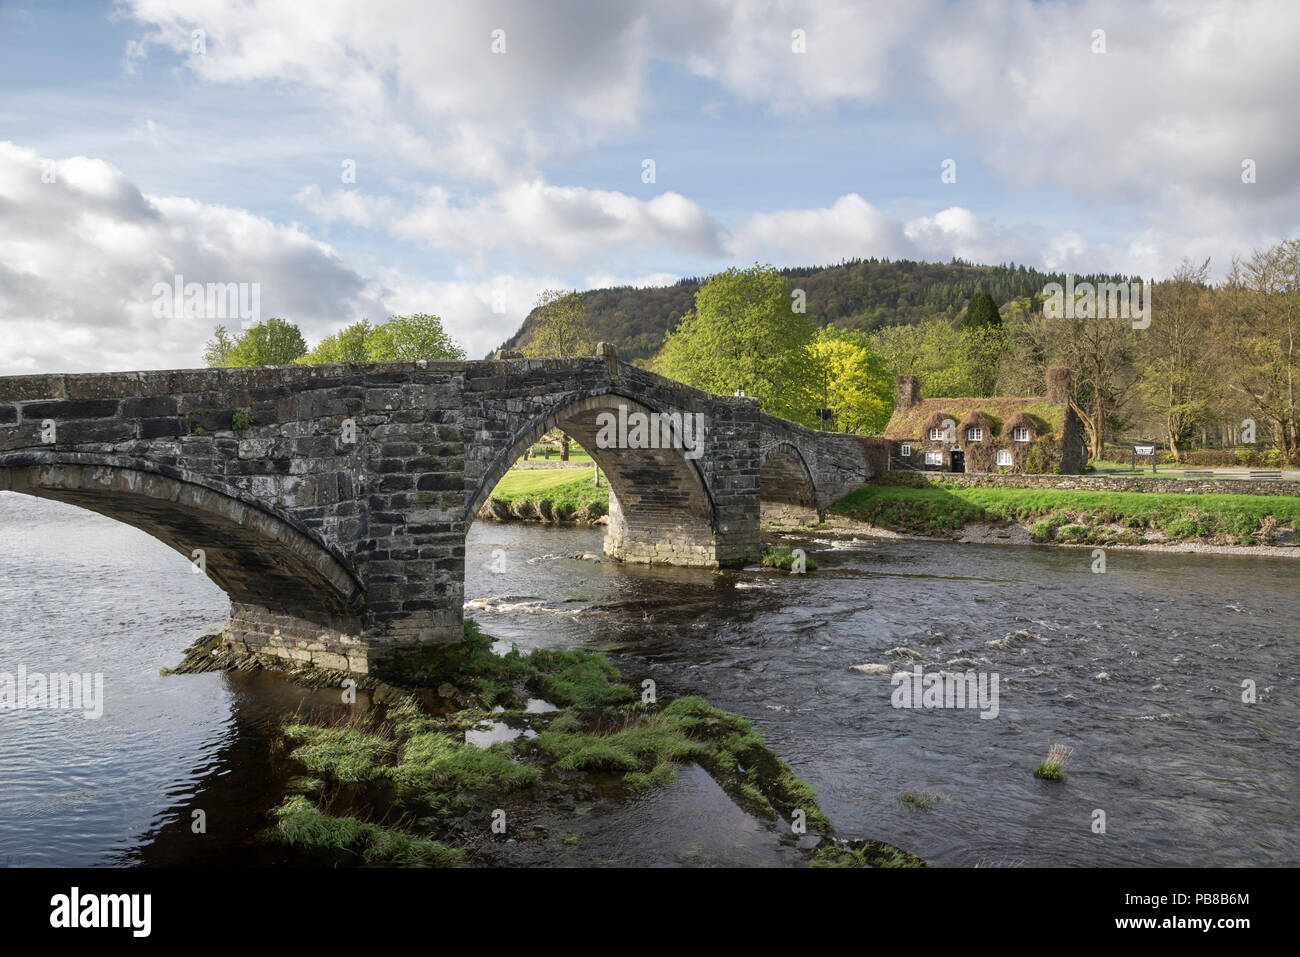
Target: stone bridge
{"type": "Point", "coordinates": [331, 502]}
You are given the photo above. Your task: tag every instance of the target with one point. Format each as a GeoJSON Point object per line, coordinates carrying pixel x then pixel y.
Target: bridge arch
{"type": "Point", "coordinates": [661, 507]}
{"type": "Point", "coordinates": [786, 489]}
{"type": "Point", "coordinates": [282, 582]}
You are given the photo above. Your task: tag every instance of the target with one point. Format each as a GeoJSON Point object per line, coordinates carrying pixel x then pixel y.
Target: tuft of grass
{"type": "Point", "coordinates": [640, 747]}
{"type": "Point", "coordinates": [661, 775]}
{"type": "Point", "coordinates": [579, 678]}
{"type": "Point", "coordinates": [919, 799]}
{"type": "Point", "coordinates": [566, 722]}
{"type": "Point", "coordinates": [301, 824]}
{"type": "Point", "coordinates": [344, 753]}
{"type": "Point", "coordinates": [783, 558]}
{"type": "Point", "coordinates": [1053, 767]}
{"type": "Point", "coordinates": [864, 854]}
{"type": "Point", "coordinates": [439, 762]}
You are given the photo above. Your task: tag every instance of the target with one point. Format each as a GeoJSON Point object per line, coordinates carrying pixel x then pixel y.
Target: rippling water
{"type": "Point", "coordinates": [1185, 772]}
{"type": "Point", "coordinates": [1138, 669]}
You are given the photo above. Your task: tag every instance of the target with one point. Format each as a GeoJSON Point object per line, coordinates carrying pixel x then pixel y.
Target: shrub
{"type": "Point", "coordinates": [1037, 459]}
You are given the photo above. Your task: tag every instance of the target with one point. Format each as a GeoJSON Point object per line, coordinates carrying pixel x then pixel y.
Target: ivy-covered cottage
{"type": "Point", "coordinates": [995, 434]}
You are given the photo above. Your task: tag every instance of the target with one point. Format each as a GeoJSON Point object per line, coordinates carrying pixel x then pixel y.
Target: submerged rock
{"type": "Point", "coordinates": [872, 669]}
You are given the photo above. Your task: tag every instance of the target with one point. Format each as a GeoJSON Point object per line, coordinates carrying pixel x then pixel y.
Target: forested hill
{"type": "Point", "coordinates": [859, 294]}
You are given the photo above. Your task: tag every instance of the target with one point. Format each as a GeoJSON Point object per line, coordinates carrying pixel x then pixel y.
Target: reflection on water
{"type": "Point", "coordinates": [1139, 670]}
{"type": "Point", "coordinates": [494, 732]}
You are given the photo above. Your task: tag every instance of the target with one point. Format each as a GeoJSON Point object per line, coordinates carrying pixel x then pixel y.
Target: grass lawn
{"type": "Point", "coordinates": [524, 482]}
{"type": "Point", "coordinates": [548, 494]}
{"type": "Point", "coordinates": [1227, 519]}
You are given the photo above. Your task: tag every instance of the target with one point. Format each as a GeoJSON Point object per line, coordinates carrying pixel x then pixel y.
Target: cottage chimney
{"type": "Point", "coordinates": [907, 391]}
{"type": "Point", "coordinates": [1059, 380]}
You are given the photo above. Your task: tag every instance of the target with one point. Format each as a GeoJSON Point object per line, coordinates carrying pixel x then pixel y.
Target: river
{"type": "Point", "coordinates": [1139, 670]}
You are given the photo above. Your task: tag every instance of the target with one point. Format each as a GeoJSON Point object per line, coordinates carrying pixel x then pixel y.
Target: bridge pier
{"type": "Point", "coordinates": [338, 645]}
{"type": "Point", "coordinates": [657, 541]}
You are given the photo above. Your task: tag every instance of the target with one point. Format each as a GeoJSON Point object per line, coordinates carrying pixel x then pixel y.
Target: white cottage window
{"type": "Point", "coordinates": [933, 458]}
{"type": "Point", "coordinates": [936, 435]}
{"type": "Point", "coordinates": [1020, 434]}
{"type": "Point", "coordinates": [1004, 457]}
{"type": "Point", "coordinates": [905, 451]}
{"type": "Point", "coordinates": [974, 434]}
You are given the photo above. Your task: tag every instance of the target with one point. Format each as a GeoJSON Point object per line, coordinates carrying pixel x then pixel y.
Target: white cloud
{"type": "Point", "coordinates": [346, 205]}
{"type": "Point", "coordinates": [570, 70]}
{"type": "Point", "coordinates": [563, 224]}
{"type": "Point", "coordinates": [849, 228]}
{"type": "Point", "coordinates": [605, 280]}
{"type": "Point", "coordinates": [79, 258]}
{"type": "Point", "coordinates": [1184, 92]}
{"type": "Point", "coordinates": [957, 231]}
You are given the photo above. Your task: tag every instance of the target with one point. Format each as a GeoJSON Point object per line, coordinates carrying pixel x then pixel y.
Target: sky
{"type": "Point", "coordinates": [340, 160]}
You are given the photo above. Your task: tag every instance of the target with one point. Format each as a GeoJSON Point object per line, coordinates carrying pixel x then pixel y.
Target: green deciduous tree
{"type": "Point", "coordinates": [349, 344]}
{"type": "Point", "coordinates": [744, 335]}
{"type": "Point", "coordinates": [418, 336]}
{"type": "Point", "coordinates": [948, 360]}
{"type": "Point", "coordinates": [852, 380]}
{"type": "Point", "coordinates": [560, 326]}
{"type": "Point", "coordinates": [216, 351]}
{"type": "Point", "coordinates": [275, 342]}
{"type": "Point", "coordinates": [981, 348]}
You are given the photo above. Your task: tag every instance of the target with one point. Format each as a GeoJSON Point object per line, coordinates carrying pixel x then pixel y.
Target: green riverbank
{"type": "Point", "coordinates": [548, 495]}
{"type": "Point", "coordinates": [1062, 516]}
{"type": "Point", "coordinates": [1072, 516]}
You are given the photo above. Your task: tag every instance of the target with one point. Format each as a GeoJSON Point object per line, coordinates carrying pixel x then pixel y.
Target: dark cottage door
{"type": "Point", "coordinates": [958, 460]}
